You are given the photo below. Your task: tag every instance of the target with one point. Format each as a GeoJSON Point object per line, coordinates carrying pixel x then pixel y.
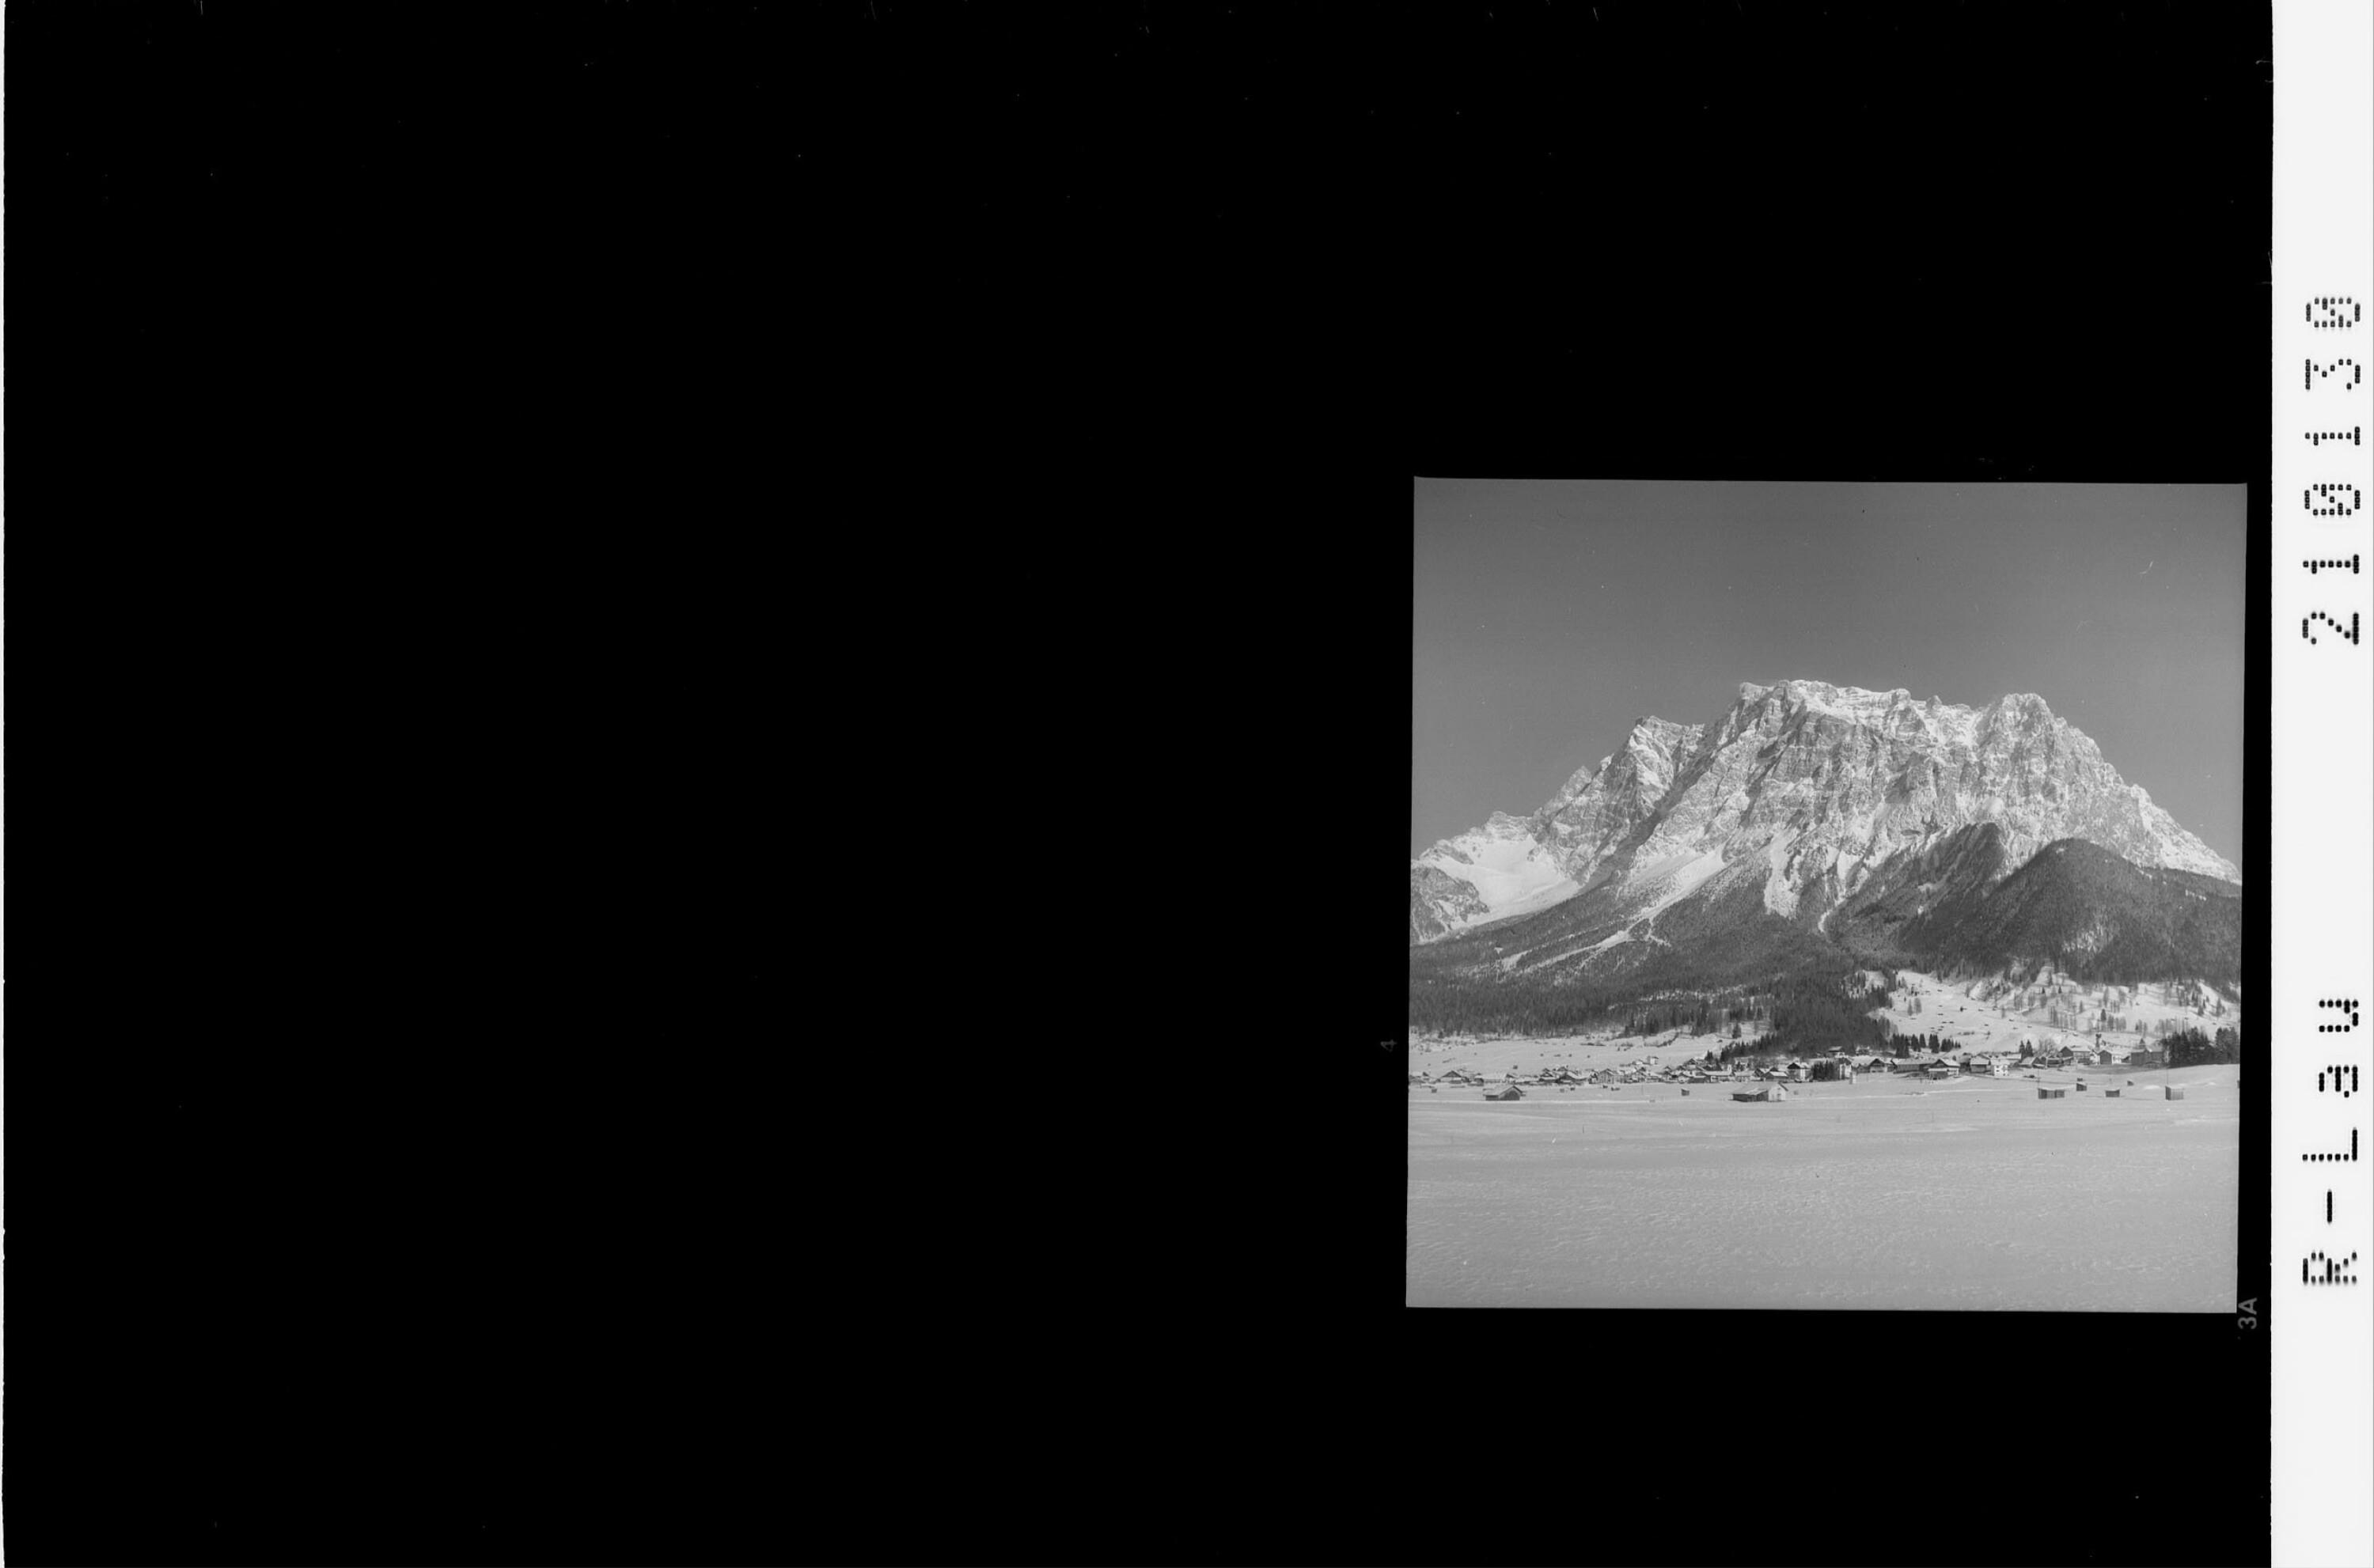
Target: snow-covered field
{"type": "Point", "coordinates": [1883, 1193]}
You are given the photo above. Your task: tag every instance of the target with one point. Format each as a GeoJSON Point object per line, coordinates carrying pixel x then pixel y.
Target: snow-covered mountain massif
{"type": "Point", "coordinates": [1802, 799]}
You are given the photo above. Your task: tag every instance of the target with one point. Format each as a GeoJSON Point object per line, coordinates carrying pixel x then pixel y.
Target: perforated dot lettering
{"type": "Point", "coordinates": [2348, 634]}
{"type": "Point", "coordinates": [2341, 499]}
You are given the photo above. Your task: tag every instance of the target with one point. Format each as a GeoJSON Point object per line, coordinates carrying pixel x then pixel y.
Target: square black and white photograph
{"type": "Point", "coordinates": [1826, 896]}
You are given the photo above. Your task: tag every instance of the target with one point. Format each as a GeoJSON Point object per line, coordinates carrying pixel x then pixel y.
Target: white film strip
{"type": "Point", "coordinates": [2320, 1313]}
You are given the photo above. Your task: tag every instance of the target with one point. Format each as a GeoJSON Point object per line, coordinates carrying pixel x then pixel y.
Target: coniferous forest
{"type": "Point", "coordinates": [2191, 1047]}
{"type": "Point", "coordinates": [1823, 1011]}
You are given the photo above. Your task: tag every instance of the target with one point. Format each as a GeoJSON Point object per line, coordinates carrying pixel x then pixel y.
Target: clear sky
{"type": "Point", "coordinates": [1550, 614]}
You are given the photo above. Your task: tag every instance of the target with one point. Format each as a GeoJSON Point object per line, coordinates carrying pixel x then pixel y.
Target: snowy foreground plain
{"type": "Point", "coordinates": [1878, 1193]}
{"type": "Point", "coordinates": [1887, 1192]}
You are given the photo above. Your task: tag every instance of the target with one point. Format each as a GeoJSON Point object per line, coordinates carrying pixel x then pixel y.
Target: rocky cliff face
{"type": "Point", "coordinates": [1811, 788]}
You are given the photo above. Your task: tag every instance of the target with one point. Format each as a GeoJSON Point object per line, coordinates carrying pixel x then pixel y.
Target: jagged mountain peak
{"type": "Point", "coordinates": [1820, 785]}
